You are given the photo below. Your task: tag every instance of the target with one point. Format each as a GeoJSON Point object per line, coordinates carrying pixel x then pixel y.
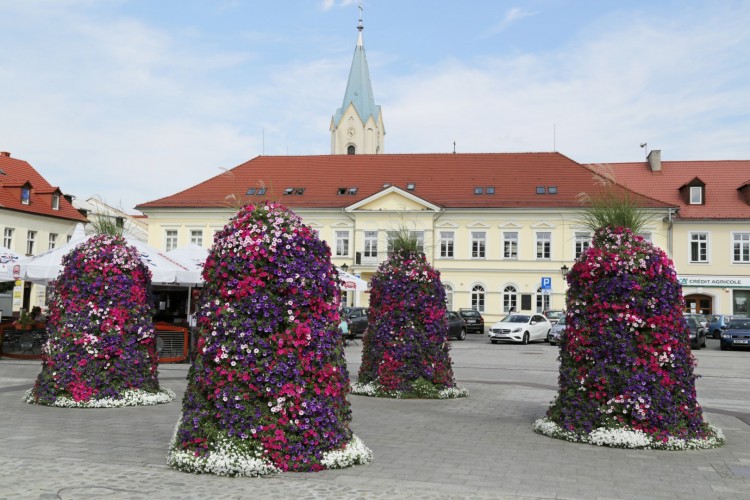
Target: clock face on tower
{"type": "Point", "coordinates": [350, 132]}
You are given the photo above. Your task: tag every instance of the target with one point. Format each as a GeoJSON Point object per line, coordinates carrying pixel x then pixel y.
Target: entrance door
{"type": "Point", "coordinates": [698, 304]}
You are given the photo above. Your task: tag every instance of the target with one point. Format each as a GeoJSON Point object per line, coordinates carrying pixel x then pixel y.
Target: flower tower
{"type": "Point", "coordinates": [267, 391]}
{"type": "Point", "coordinates": [626, 369]}
{"type": "Point", "coordinates": [101, 350]}
{"type": "Point", "coordinates": [405, 348]}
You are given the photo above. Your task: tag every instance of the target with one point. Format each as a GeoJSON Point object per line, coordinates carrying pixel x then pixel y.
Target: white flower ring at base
{"type": "Point", "coordinates": [129, 397]}
{"type": "Point", "coordinates": [226, 459]}
{"type": "Point", "coordinates": [374, 389]}
{"type": "Point", "coordinates": [629, 438]}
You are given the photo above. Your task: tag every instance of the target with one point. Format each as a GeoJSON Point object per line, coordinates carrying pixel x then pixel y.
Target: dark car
{"type": "Point", "coordinates": [717, 324]}
{"type": "Point", "coordinates": [737, 334]}
{"type": "Point", "coordinates": [356, 317]}
{"type": "Point", "coordinates": [697, 332]}
{"type": "Point", "coordinates": [474, 320]}
{"type": "Point", "coordinates": [456, 325]}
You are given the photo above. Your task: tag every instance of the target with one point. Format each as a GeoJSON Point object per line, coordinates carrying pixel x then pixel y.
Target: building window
{"type": "Point", "coordinates": [542, 301]}
{"type": "Point", "coordinates": [698, 247]}
{"type": "Point", "coordinates": [371, 244]}
{"type": "Point", "coordinates": [8, 238]}
{"type": "Point", "coordinates": [30, 238]}
{"type": "Point", "coordinates": [342, 243]}
{"type": "Point", "coordinates": [543, 245]}
{"type": "Point", "coordinates": [645, 236]}
{"type": "Point", "coordinates": [741, 246]}
{"type": "Point", "coordinates": [478, 244]}
{"type": "Point", "coordinates": [583, 242]}
{"type": "Point", "coordinates": [25, 195]}
{"type": "Point", "coordinates": [510, 245]}
{"type": "Point", "coordinates": [447, 239]}
{"type": "Point", "coordinates": [196, 237]}
{"type": "Point", "coordinates": [696, 195]}
{"type": "Point", "coordinates": [418, 235]}
{"type": "Point", "coordinates": [52, 241]}
{"type": "Point", "coordinates": [448, 297]}
{"type": "Point", "coordinates": [55, 202]}
{"type": "Point", "coordinates": [170, 239]}
{"type": "Point", "coordinates": [477, 298]}
{"type": "Point", "coordinates": [350, 150]}
{"type": "Point", "coordinates": [510, 299]}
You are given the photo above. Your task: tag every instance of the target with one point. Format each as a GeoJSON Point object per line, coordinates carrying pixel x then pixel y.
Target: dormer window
{"type": "Point", "coordinates": [55, 202]}
{"type": "Point", "coordinates": [696, 195]}
{"type": "Point", "coordinates": [25, 195]}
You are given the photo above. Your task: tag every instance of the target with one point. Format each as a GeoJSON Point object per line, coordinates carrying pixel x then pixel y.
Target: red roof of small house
{"type": "Point", "coordinates": [15, 175]}
{"type": "Point", "coordinates": [446, 180]}
{"type": "Point", "coordinates": [722, 180]}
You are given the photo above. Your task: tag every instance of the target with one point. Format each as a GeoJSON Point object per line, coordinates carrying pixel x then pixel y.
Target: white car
{"type": "Point", "coordinates": [522, 328]}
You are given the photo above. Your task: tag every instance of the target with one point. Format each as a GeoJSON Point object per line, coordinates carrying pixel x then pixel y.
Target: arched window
{"type": "Point", "coordinates": [510, 299]}
{"type": "Point", "coordinates": [542, 301]}
{"type": "Point", "coordinates": [350, 150]}
{"type": "Point", "coordinates": [477, 298]}
{"type": "Point", "coordinates": [448, 296]}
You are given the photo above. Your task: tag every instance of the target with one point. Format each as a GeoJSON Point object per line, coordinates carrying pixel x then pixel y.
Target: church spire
{"type": "Point", "coordinates": [356, 127]}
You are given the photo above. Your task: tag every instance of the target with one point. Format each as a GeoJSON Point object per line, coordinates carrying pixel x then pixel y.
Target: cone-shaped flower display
{"type": "Point", "coordinates": [267, 391]}
{"type": "Point", "coordinates": [101, 349]}
{"type": "Point", "coordinates": [405, 348]}
{"type": "Point", "coordinates": [626, 369]}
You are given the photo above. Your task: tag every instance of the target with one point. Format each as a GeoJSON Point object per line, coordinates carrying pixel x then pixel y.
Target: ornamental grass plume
{"type": "Point", "coordinates": [268, 389]}
{"type": "Point", "coordinates": [101, 348]}
{"type": "Point", "coordinates": [626, 369]}
{"type": "Point", "coordinates": [405, 349]}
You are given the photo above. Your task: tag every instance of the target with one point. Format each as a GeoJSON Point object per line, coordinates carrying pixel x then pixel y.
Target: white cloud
{"type": "Point", "coordinates": [512, 15]}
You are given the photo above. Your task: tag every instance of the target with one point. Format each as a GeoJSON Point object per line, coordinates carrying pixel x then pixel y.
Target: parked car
{"type": "Point", "coordinates": [737, 334]}
{"type": "Point", "coordinates": [553, 337]}
{"type": "Point", "coordinates": [554, 315]}
{"type": "Point", "coordinates": [474, 320]}
{"type": "Point", "coordinates": [697, 332]}
{"type": "Point", "coordinates": [717, 324]}
{"type": "Point", "coordinates": [357, 319]}
{"type": "Point", "coordinates": [702, 319]}
{"type": "Point", "coordinates": [456, 325]}
{"type": "Point", "coordinates": [522, 328]}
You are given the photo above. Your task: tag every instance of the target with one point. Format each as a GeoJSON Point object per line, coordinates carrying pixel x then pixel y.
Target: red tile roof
{"type": "Point", "coordinates": [14, 174]}
{"type": "Point", "coordinates": [446, 180]}
{"type": "Point", "coordinates": [722, 180]}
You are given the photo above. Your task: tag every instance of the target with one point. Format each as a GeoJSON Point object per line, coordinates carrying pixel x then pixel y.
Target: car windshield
{"type": "Point", "coordinates": [516, 318]}
{"type": "Point", "coordinates": [562, 321]}
{"type": "Point", "coordinates": [470, 314]}
{"type": "Point", "coordinates": [740, 324]}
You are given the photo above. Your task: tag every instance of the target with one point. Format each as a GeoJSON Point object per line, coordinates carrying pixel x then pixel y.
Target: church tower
{"type": "Point", "coordinates": [357, 126]}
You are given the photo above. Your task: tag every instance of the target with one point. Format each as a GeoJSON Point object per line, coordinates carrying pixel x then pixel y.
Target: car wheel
{"type": "Point", "coordinates": [724, 347]}
{"type": "Point", "coordinates": [462, 334]}
{"type": "Point", "coordinates": [717, 334]}
{"type": "Point", "coordinates": [697, 346]}
{"type": "Point", "coordinates": [525, 338]}
{"type": "Point", "coordinates": [704, 342]}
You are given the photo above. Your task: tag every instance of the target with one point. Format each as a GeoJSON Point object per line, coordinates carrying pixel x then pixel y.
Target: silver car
{"type": "Point", "coordinates": [553, 337]}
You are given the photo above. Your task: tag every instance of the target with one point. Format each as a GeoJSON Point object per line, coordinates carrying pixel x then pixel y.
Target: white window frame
{"type": "Point", "coordinates": [8, 238]}
{"type": "Point", "coordinates": [30, 240]}
{"type": "Point", "coordinates": [55, 202]}
{"type": "Point", "coordinates": [696, 195]}
{"type": "Point", "coordinates": [371, 244]}
{"type": "Point", "coordinates": [479, 244]}
{"type": "Point", "coordinates": [543, 243]}
{"type": "Point", "coordinates": [542, 301]}
{"type": "Point", "coordinates": [741, 248]}
{"type": "Point", "coordinates": [196, 237]}
{"type": "Point", "coordinates": [447, 244]}
{"type": "Point", "coordinates": [342, 243]}
{"type": "Point", "coordinates": [170, 239]}
{"type": "Point", "coordinates": [582, 243]}
{"type": "Point", "coordinates": [701, 246]}
{"type": "Point", "coordinates": [448, 296]}
{"type": "Point", "coordinates": [510, 298]}
{"type": "Point", "coordinates": [510, 245]}
{"type": "Point", "coordinates": [52, 241]}
{"type": "Point", "coordinates": [25, 195]}
{"type": "Point", "coordinates": [478, 294]}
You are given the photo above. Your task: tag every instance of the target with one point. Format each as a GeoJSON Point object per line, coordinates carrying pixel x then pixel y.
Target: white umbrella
{"type": "Point", "coordinates": [46, 267]}
{"type": "Point", "coordinates": [351, 282]}
{"type": "Point", "coordinates": [193, 257]}
{"type": "Point", "coordinates": [10, 264]}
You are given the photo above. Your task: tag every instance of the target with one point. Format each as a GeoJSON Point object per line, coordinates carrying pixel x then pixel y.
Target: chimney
{"type": "Point", "coordinates": [4, 153]}
{"type": "Point", "coordinates": [654, 160]}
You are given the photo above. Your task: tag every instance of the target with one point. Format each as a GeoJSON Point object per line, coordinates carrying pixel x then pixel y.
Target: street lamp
{"type": "Point", "coordinates": [564, 270]}
{"type": "Point", "coordinates": [345, 267]}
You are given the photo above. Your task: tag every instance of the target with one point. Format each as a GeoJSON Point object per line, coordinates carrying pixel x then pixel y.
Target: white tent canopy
{"type": "Point", "coordinates": [46, 267]}
{"type": "Point", "coordinates": [8, 261]}
{"type": "Point", "coordinates": [193, 257]}
{"type": "Point", "coordinates": [351, 282]}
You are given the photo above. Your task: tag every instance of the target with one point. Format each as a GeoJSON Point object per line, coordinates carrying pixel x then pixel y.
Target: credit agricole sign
{"type": "Point", "coordinates": [715, 281]}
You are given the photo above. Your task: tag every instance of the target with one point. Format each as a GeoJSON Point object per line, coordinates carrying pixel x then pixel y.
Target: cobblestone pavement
{"type": "Point", "coordinates": [476, 447]}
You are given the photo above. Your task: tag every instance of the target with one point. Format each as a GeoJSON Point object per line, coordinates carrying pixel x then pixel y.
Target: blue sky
{"type": "Point", "coordinates": [133, 100]}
